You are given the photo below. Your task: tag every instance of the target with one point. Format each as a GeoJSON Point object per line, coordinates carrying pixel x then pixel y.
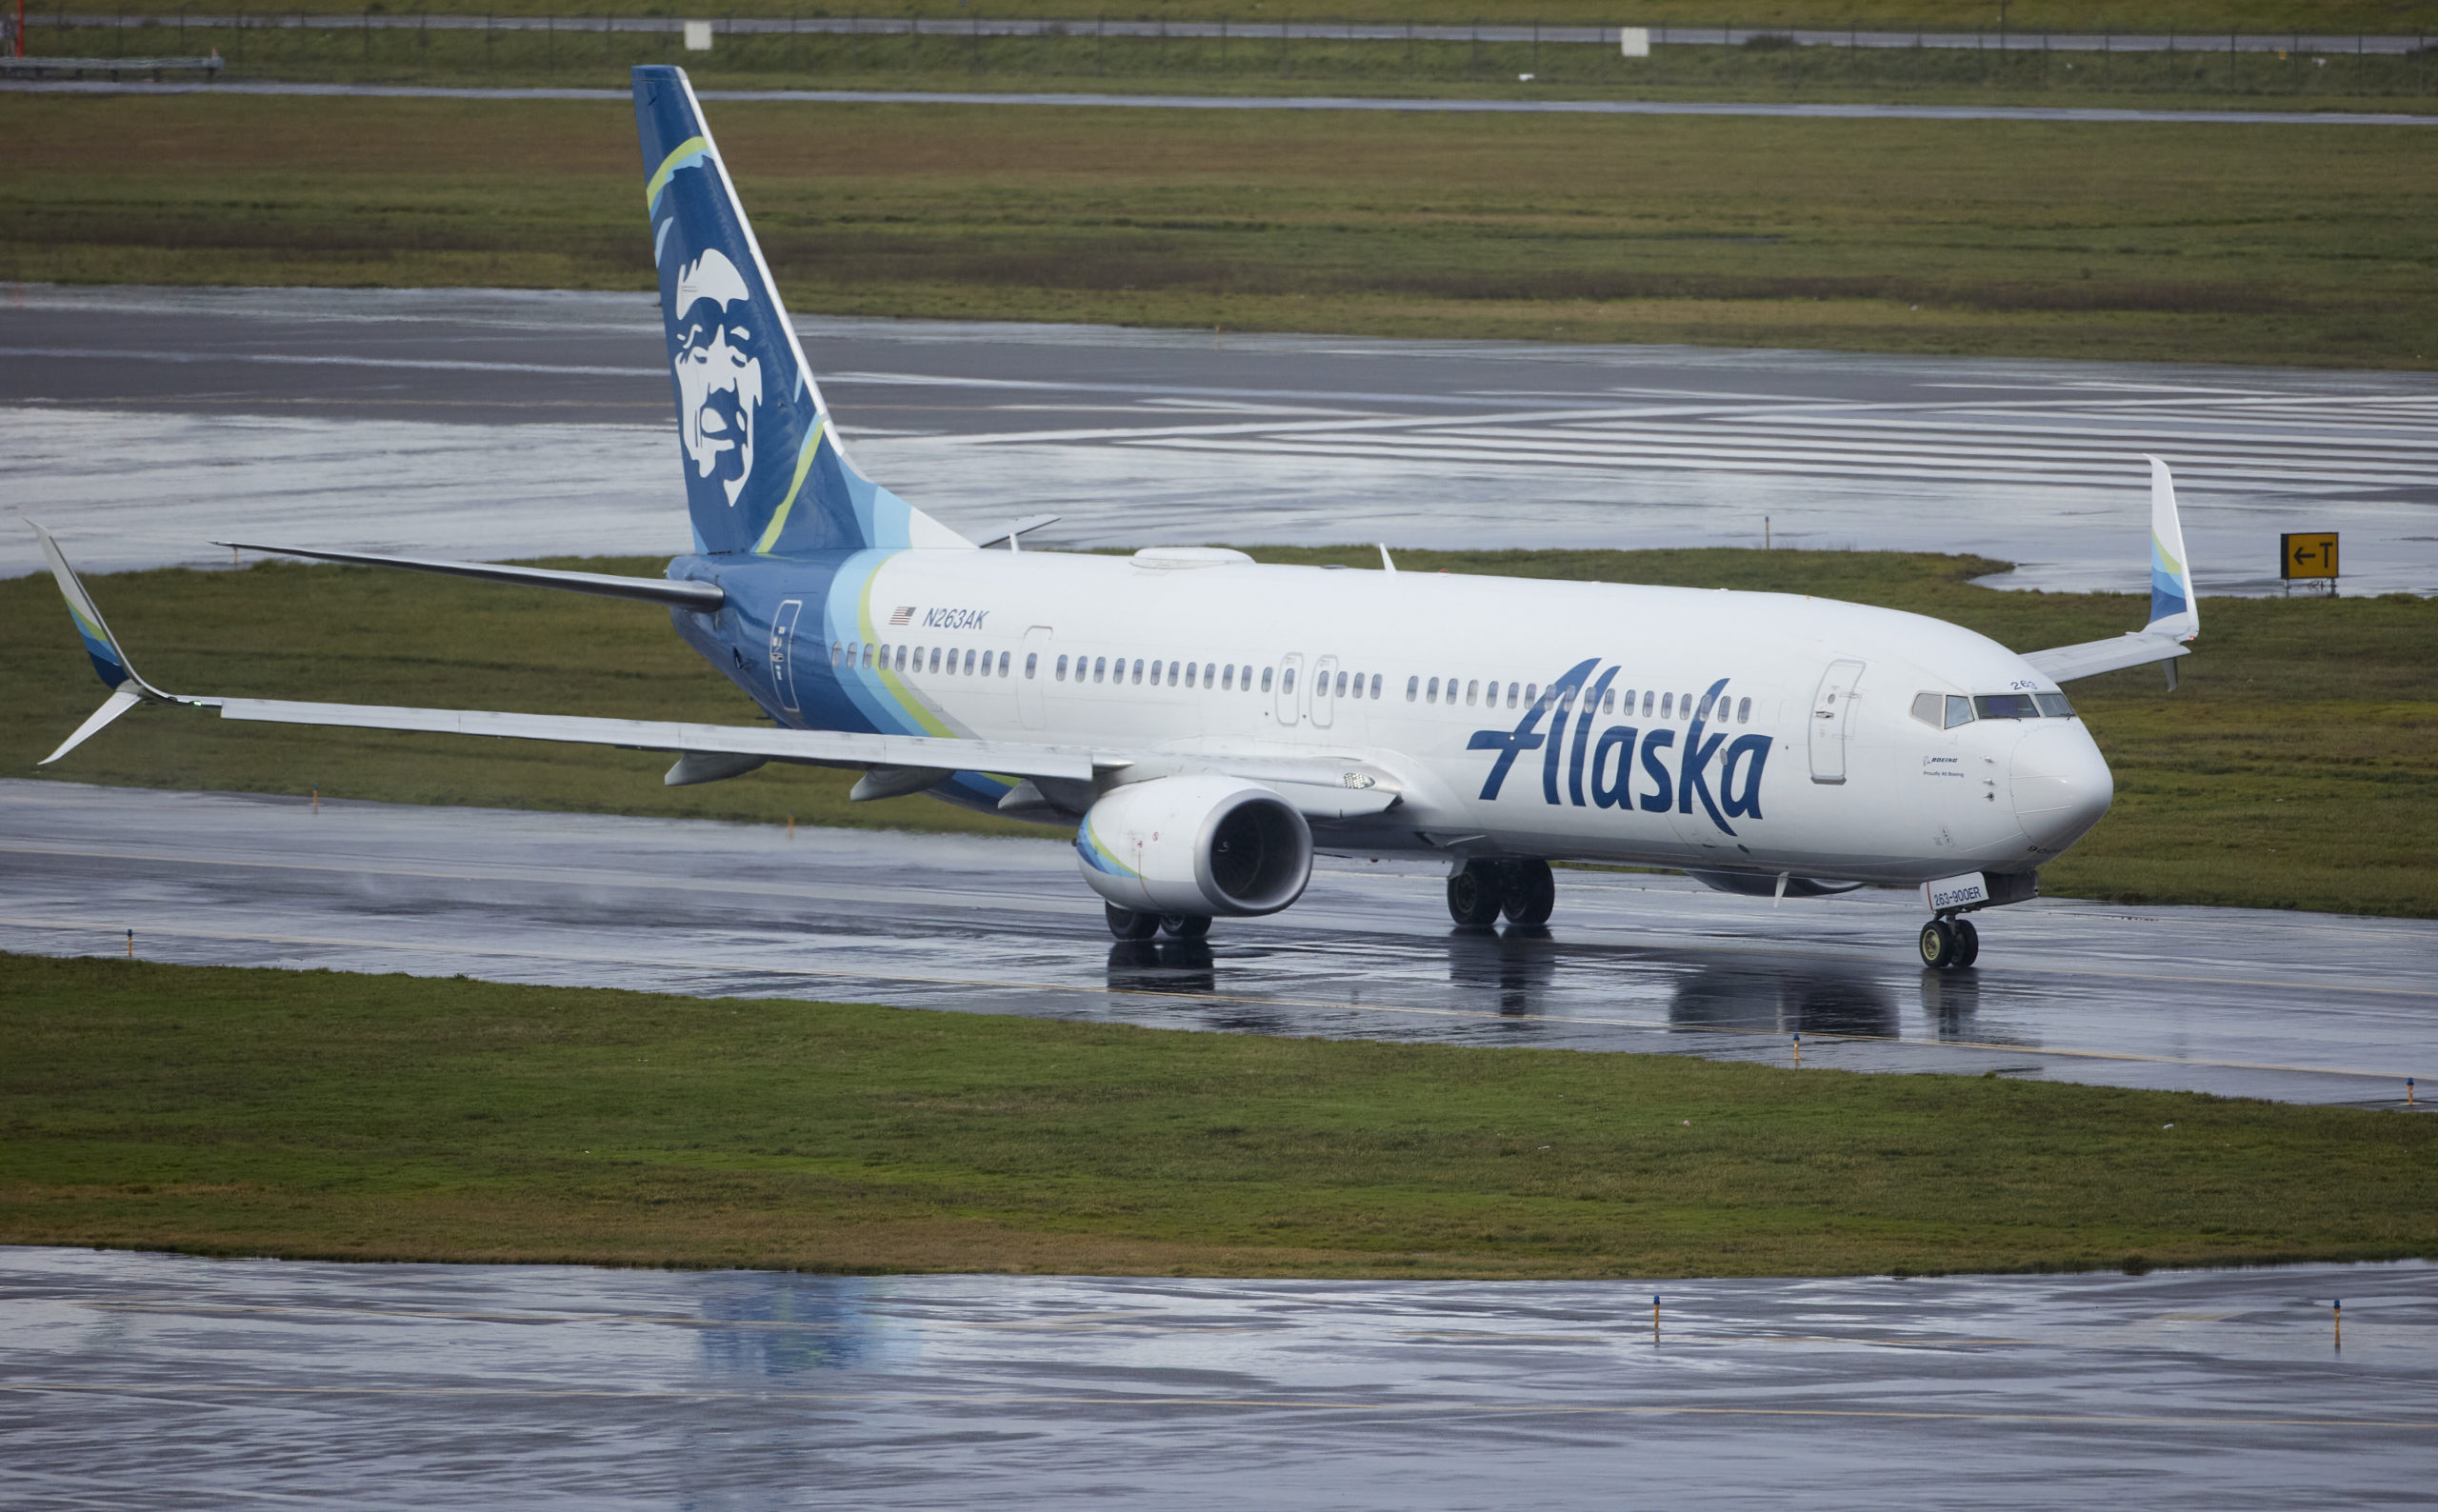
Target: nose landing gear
{"type": "Point", "coordinates": [1950, 945]}
{"type": "Point", "coordinates": [1525, 891]}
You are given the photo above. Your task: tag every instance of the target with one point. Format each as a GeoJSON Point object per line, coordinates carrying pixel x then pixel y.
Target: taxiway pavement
{"type": "Point", "coordinates": [143, 424]}
{"type": "Point", "coordinates": [2300, 1007]}
{"type": "Point", "coordinates": [156, 1380]}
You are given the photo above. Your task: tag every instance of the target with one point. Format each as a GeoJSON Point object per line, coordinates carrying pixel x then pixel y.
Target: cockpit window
{"type": "Point", "coordinates": [1943, 711]}
{"type": "Point", "coordinates": [2006, 705]}
{"type": "Point", "coordinates": [2054, 706]}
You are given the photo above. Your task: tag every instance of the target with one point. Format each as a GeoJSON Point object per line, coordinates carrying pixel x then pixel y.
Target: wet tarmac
{"type": "Point", "coordinates": [143, 424]}
{"type": "Point", "coordinates": [2299, 1008]}
{"type": "Point", "coordinates": [145, 1380]}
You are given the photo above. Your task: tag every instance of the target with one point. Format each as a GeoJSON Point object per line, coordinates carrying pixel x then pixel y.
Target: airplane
{"type": "Point", "coordinates": [1206, 724]}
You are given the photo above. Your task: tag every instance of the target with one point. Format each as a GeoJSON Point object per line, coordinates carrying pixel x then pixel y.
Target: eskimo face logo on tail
{"type": "Point", "coordinates": [719, 370]}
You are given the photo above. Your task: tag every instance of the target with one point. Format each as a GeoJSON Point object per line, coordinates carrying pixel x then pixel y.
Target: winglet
{"type": "Point", "coordinates": [128, 688]}
{"type": "Point", "coordinates": [2174, 611]}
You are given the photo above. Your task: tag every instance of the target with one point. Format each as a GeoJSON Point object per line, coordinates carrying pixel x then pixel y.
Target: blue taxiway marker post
{"type": "Point", "coordinates": [131, 945]}
{"type": "Point", "coordinates": [1655, 1315]}
{"type": "Point", "coordinates": [2336, 1316]}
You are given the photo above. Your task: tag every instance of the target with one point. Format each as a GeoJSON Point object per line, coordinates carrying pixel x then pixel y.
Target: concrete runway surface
{"type": "Point", "coordinates": [143, 424]}
{"type": "Point", "coordinates": [2300, 1008]}
{"type": "Point", "coordinates": [148, 1380]}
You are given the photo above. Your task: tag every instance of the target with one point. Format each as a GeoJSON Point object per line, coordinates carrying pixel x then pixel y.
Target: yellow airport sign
{"type": "Point", "coordinates": [2307, 554]}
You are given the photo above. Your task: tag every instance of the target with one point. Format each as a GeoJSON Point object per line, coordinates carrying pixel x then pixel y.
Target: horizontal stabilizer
{"type": "Point", "coordinates": [703, 597]}
{"type": "Point", "coordinates": [122, 698]}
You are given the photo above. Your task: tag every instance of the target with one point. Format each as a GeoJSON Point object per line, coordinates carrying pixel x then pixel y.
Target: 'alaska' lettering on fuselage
{"type": "Point", "coordinates": [1607, 760]}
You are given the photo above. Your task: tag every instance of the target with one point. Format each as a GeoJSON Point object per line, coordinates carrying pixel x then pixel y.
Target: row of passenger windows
{"type": "Point", "coordinates": [1225, 676]}
{"type": "Point", "coordinates": [1233, 677]}
{"type": "Point", "coordinates": [1948, 710]}
{"type": "Point", "coordinates": [1521, 695]}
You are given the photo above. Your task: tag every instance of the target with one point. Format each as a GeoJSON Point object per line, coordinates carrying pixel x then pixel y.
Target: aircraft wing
{"type": "Point", "coordinates": [1320, 787]}
{"type": "Point", "coordinates": [2175, 611]}
{"type": "Point", "coordinates": [2089, 659]}
{"type": "Point", "coordinates": [1014, 758]}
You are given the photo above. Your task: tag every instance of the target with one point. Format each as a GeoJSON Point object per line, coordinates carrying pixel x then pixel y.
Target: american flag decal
{"type": "Point", "coordinates": [903, 616]}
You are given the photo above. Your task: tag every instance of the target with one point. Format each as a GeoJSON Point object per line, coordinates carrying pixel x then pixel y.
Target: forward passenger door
{"type": "Point", "coordinates": [1830, 706]}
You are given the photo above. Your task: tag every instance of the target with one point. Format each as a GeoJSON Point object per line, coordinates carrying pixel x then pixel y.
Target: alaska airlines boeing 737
{"type": "Point", "coordinates": [1206, 725]}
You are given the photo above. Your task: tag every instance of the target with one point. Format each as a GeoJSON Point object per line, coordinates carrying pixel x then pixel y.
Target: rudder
{"type": "Point", "coordinates": [765, 472]}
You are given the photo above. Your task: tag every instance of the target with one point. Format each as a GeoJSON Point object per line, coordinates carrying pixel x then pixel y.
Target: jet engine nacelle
{"type": "Point", "coordinates": [1196, 846]}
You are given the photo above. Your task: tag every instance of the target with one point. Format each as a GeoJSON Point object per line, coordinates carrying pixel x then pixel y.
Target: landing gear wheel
{"type": "Point", "coordinates": [1474, 896]}
{"type": "Point", "coordinates": [1967, 943]}
{"type": "Point", "coordinates": [1938, 944]}
{"type": "Point", "coordinates": [1531, 893]}
{"type": "Point", "coordinates": [1127, 925]}
{"type": "Point", "coordinates": [1186, 925]}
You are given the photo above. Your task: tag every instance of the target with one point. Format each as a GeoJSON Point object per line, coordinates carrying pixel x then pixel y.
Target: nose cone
{"type": "Point", "coordinates": [2060, 783]}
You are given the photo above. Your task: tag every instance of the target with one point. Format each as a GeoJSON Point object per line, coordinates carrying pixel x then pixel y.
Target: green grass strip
{"type": "Point", "coordinates": [306, 1114]}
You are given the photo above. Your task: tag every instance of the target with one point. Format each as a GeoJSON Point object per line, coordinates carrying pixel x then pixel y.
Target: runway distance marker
{"type": "Point", "coordinates": [1246, 1000]}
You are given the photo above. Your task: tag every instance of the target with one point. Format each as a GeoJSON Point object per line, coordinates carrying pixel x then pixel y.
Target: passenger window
{"type": "Point", "coordinates": [1341, 684]}
{"type": "Point", "coordinates": [1210, 672]}
{"type": "Point", "coordinates": [1266, 675]}
{"type": "Point", "coordinates": [2054, 706]}
{"type": "Point", "coordinates": [1033, 665]}
{"type": "Point", "coordinates": [1061, 668]}
{"type": "Point", "coordinates": [935, 663]}
{"type": "Point", "coordinates": [1100, 667]}
{"type": "Point", "coordinates": [1228, 678]}
{"type": "Point", "coordinates": [1286, 683]}
{"type": "Point", "coordinates": [1431, 691]}
{"type": "Point", "coordinates": [834, 650]}
{"type": "Point", "coordinates": [1743, 712]}
{"type": "Point", "coordinates": [1959, 710]}
{"type": "Point", "coordinates": [1004, 658]}
{"type": "Point", "coordinates": [1533, 694]}
{"type": "Point", "coordinates": [968, 664]}
{"type": "Point", "coordinates": [1192, 675]}
{"type": "Point", "coordinates": [1470, 689]}
{"type": "Point", "coordinates": [1667, 705]}
{"type": "Point", "coordinates": [1413, 687]}
{"type": "Point", "coordinates": [1375, 684]}
{"type": "Point", "coordinates": [1138, 669]}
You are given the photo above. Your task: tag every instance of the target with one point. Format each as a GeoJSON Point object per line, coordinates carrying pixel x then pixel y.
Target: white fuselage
{"type": "Point", "coordinates": [1839, 777]}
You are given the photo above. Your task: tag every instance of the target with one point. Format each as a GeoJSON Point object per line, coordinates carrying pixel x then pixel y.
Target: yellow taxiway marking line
{"type": "Point", "coordinates": [1272, 1403]}
{"type": "Point", "coordinates": [872, 974]}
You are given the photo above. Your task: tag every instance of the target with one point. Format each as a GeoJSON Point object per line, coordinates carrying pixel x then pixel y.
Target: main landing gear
{"type": "Point", "coordinates": [1130, 923]}
{"type": "Point", "coordinates": [1950, 944]}
{"type": "Point", "coordinates": [1525, 891]}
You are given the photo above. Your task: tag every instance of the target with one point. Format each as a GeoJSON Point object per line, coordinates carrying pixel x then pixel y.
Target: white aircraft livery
{"type": "Point", "coordinates": [1206, 725]}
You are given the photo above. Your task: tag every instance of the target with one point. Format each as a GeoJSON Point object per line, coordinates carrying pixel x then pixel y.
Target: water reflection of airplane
{"type": "Point", "coordinates": [1788, 997]}
{"type": "Point", "coordinates": [765, 1323]}
{"type": "Point", "coordinates": [1518, 964]}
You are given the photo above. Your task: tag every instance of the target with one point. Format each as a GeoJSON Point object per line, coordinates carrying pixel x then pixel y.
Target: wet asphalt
{"type": "Point", "coordinates": [144, 424]}
{"type": "Point", "coordinates": [2299, 1008]}
{"type": "Point", "coordinates": [146, 1380]}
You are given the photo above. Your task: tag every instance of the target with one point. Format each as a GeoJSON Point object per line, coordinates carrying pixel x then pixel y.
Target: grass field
{"type": "Point", "coordinates": [303, 1114]}
{"type": "Point", "coordinates": [2216, 17]}
{"type": "Point", "coordinates": [2296, 768]}
{"type": "Point", "coordinates": [2217, 243]}
{"type": "Point", "coordinates": [587, 50]}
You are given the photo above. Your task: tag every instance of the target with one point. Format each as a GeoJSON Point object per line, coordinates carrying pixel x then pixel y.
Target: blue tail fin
{"type": "Point", "coordinates": [764, 473]}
